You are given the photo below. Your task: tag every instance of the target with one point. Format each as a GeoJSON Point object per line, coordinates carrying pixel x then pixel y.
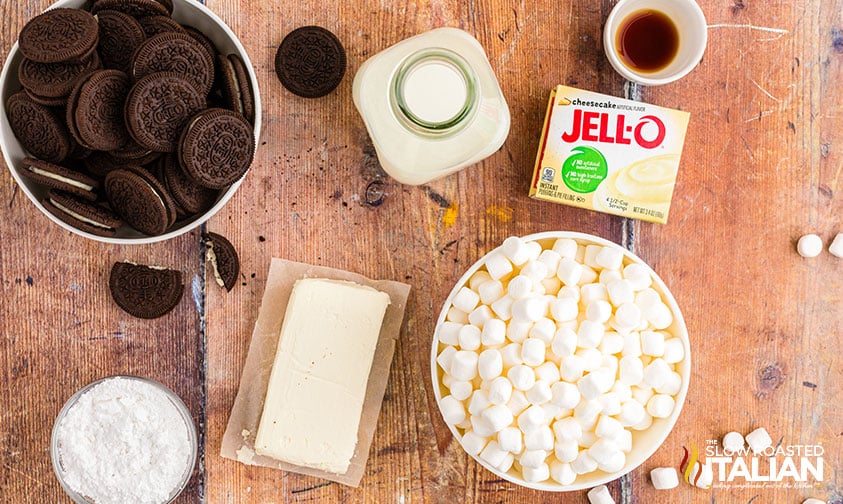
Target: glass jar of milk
{"type": "Point", "coordinates": [432, 105]}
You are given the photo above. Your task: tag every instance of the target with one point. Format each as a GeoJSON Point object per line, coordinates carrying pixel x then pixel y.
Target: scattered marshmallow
{"type": "Point", "coordinates": [836, 247]}
{"type": "Point", "coordinates": [733, 442]}
{"type": "Point", "coordinates": [563, 309]}
{"type": "Point", "coordinates": [479, 401]}
{"type": "Point", "coordinates": [511, 355]}
{"type": "Point", "coordinates": [583, 463]}
{"type": "Point", "coordinates": [490, 291]}
{"type": "Point", "coordinates": [674, 350]}
{"type": "Point", "coordinates": [631, 345]}
{"type": "Point", "coordinates": [593, 292]}
{"type": "Point", "coordinates": [706, 475]}
{"type": "Point", "coordinates": [600, 495]}
{"type": "Point", "coordinates": [656, 373]}
{"type": "Point", "coordinates": [517, 402]}
{"type": "Point", "coordinates": [567, 429]}
{"type": "Point", "coordinates": [481, 426]}
{"type": "Point", "coordinates": [608, 276]}
{"type": "Point", "coordinates": [534, 270]}
{"type": "Point", "coordinates": [672, 385]}
{"type": "Point", "coordinates": [532, 458]}
{"type": "Point", "coordinates": [813, 501]}
{"type": "Point", "coordinates": [564, 343]}
{"type": "Point", "coordinates": [534, 250]}
{"type": "Point", "coordinates": [548, 372]}
{"type": "Point", "coordinates": [562, 473]}
{"type": "Point", "coordinates": [473, 443]}
{"type": "Point", "coordinates": [759, 440]}
{"type": "Point", "coordinates": [550, 259]}
{"type": "Point", "coordinates": [531, 419]}
{"type": "Point", "coordinates": [566, 450]}
{"type": "Point", "coordinates": [464, 365]}
{"type": "Point", "coordinates": [599, 311]}
{"type": "Point", "coordinates": [446, 357]}
{"type": "Point", "coordinates": [469, 337]}
{"type": "Point", "coordinates": [620, 292]}
{"type": "Point", "coordinates": [493, 333]}
{"type": "Point", "coordinates": [610, 403]}
{"type": "Point", "coordinates": [449, 333]}
{"type": "Point", "coordinates": [569, 291]}
{"type": "Point", "coordinates": [566, 247]}
{"type": "Point", "coordinates": [592, 358]}
{"type": "Point", "coordinates": [490, 364]}
{"type": "Point", "coordinates": [638, 276]}
{"type": "Point", "coordinates": [498, 417]}
{"type": "Point", "coordinates": [519, 287]}
{"type": "Point", "coordinates": [453, 411]}
{"type": "Point", "coordinates": [612, 343]}
{"type": "Point", "coordinates": [500, 391]}
{"type": "Point", "coordinates": [590, 333]}
{"type": "Point", "coordinates": [588, 276]}
{"type": "Point", "coordinates": [607, 428]}
{"type": "Point", "coordinates": [652, 343]}
{"type": "Point", "coordinates": [565, 395]}
{"type": "Point", "coordinates": [532, 351]}
{"type": "Point", "coordinates": [664, 478]}
{"type": "Point", "coordinates": [628, 316]}
{"type": "Point", "coordinates": [535, 474]}
{"type": "Point", "coordinates": [572, 368]}
{"type": "Point", "coordinates": [595, 383]}
{"type": "Point", "coordinates": [632, 413]}
{"type": "Point", "coordinates": [809, 245]}
{"type": "Point", "coordinates": [551, 285]}
{"type": "Point", "coordinates": [518, 331]}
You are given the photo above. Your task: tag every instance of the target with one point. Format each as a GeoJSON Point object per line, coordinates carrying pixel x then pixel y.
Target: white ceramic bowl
{"type": "Point", "coordinates": [188, 12]}
{"type": "Point", "coordinates": [644, 443]}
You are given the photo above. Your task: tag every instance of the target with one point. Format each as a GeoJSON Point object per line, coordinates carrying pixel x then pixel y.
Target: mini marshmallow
{"type": "Point", "coordinates": [592, 358]}
{"type": "Point", "coordinates": [631, 344]}
{"type": "Point", "coordinates": [550, 259]}
{"type": "Point", "coordinates": [464, 365]}
{"type": "Point", "coordinates": [620, 292]}
{"type": "Point", "coordinates": [564, 343]}
{"type": "Point", "coordinates": [809, 245]}
{"type": "Point", "coordinates": [646, 300]}
{"type": "Point", "coordinates": [599, 311]}
{"type": "Point", "coordinates": [503, 308]}
{"type": "Point", "coordinates": [515, 249]}
{"type": "Point", "coordinates": [638, 276]}
{"type": "Point", "coordinates": [572, 367]}
{"type": "Point", "coordinates": [569, 271]}
{"type": "Point", "coordinates": [553, 411]}
{"type": "Point", "coordinates": [534, 250]}
{"type": "Point", "coordinates": [608, 276]}
{"type": "Point", "coordinates": [586, 413]}
{"type": "Point", "coordinates": [607, 428]}
{"type": "Point", "coordinates": [448, 380]}
{"type": "Point", "coordinates": [539, 439]}
{"type": "Point", "coordinates": [498, 416]}
{"type": "Point", "coordinates": [758, 440]}
{"type": "Point", "coordinates": [532, 458]}
{"type": "Point", "coordinates": [611, 403]}
{"type": "Point", "coordinates": [551, 285]}
{"type": "Point", "coordinates": [511, 439]}
{"type": "Point", "coordinates": [569, 291]}
{"type": "Point", "coordinates": [466, 300]}
{"type": "Point", "coordinates": [539, 393]}
{"type": "Point", "coordinates": [674, 350]}
{"type": "Point", "coordinates": [518, 331]}
{"type": "Point", "coordinates": [644, 424]}
{"type": "Point", "coordinates": [664, 478]}
{"type": "Point", "coordinates": [548, 372]}
{"type": "Point", "coordinates": [595, 383]}
{"type": "Point", "coordinates": [600, 495]}
{"type": "Point", "coordinates": [493, 333]}
{"type": "Point", "coordinates": [566, 450]}
{"type": "Point", "coordinates": [532, 351]}
{"type": "Point", "coordinates": [490, 291]}
{"type": "Point", "coordinates": [544, 329]}
{"type": "Point", "coordinates": [469, 337]}
{"type": "Point", "coordinates": [624, 441]}
{"type": "Point", "coordinates": [567, 429]}
{"type": "Point", "coordinates": [563, 309]}
{"type": "Point", "coordinates": [562, 473]}
{"type": "Point", "coordinates": [590, 258]}
{"type": "Point", "coordinates": [565, 395]}
{"type": "Point", "coordinates": [506, 464]}
{"type": "Point", "coordinates": [602, 450]}
{"type": "Point", "coordinates": [652, 343]}
{"type": "Point", "coordinates": [478, 279]}
{"type": "Point", "coordinates": [611, 343]}
{"type": "Point", "coordinates": [457, 315]}
{"type": "Point", "coordinates": [661, 405]}
{"type": "Point", "coordinates": [593, 292]}
{"type": "Point", "coordinates": [522, 377]}
{"type": "Point", "coordinates": [519, 287]}
{"type": "Point", "coordinates": [517, 402]}
{"type": "Point", "coordinates": [622, 390]}
{"type": "Point", "coordinates": [632, 413]}
{"type": "Point", "coordinates": [490, 364]}
{"type": "Point", "coordinates": [583, 463]}
{"type": "Point", "coordinates": [672, 385]}
{"type": "Point", "coordinates": [609, 258]}
{"type": "Point", "coordinates": [836, 247]}
{"type": "Point", "coordinates": [453, 410]}
{"type": "Point", "coordinates": [656, 373]}
{"type": "Point", "coordinates": [531, 419]}
{"type": "Point", "coordinates": [449, 333]}
{"type": "Point", "coordinates": [493, 454]}
{"type": "Point", "coordinates": [661, 316]}
{"type": "Point", "coordinates": [733, 442]}
{"type": "Point", "coordinates": [535, 474]}
{"type": "Point", "coordinates": [473, 443]}
{"type": "Point", "coordinates": [588, 276]}
{"type": "Point", "coordinates": [535, 271]}
{"type": "Point", "coordinates": [590, 333]}
{"type": "Point", "coordinates": [529, 309]}
{"type": "Point", "coordinates": [642, 393]}
{"type": "Point", "coordinates": [464, 425]}
{"type": "Point", "coordinates": [588, 437]}
{"type": "Point", "coordinates": [565, 247]}
{"type": "Point", "coordinates": [812, 500]}
{"type": "Point", "coordinates": [627, 317]}
{"type": "Point", "coordinates": [479, 401]}
{"type": "Point", "coordinates": [481, 426]}
{"type": "Point", "coordinates": [445, 358]}
{"type": "Point", "coordinates": [613, 463]}
{"type": "Point", "coordinates": [500, 390]}
{"type": "Point", "coordinates": [480, 316]}
{"type": "Point", "coordinates": [611, 362]}
{"type": "Point", "coordinates": [498, 266]}
{"type": "Point", "coordinates": [706, 475]}
{"type": "Point", "coordinates": [511, 355]}
{"type": "Point", "coordinates": [461, 390]}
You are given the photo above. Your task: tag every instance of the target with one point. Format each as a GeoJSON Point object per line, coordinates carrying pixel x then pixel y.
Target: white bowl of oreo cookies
{"type": "Point", "coordinates": [135, 128]}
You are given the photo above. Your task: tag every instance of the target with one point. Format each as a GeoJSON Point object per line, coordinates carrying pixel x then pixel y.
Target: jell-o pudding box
{"type": "Point", "coordinates": [609, 154]}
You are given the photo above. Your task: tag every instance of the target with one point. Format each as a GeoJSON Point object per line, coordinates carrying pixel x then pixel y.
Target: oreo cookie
{"type": "Point", "coordinates": [143, 291]}
{"type": "Point", "coordinates": [187, 194]}
{"type": "Point", "coordinates": [135, 8]}
{"type": "Point", "coordinates": [59, 35]}
{"type": "Point", "coordinates": [83, 215]}
{"type": "Point", "coordinates": [175, 52]}
{"type": "Point", "coordinates": [140, 200]}
{"type": "Point", "coordinates": [216, 148]}
{"type": "Point", "coordinates": [236, 86]}
{"type": "Point", "coordinates": [61, 178]}
{"type": "Point", "coordinates": [98, 114]}
{"type": "Point", "coordinates": [310, 61]}
{"type": "Point", "coordinates": [157, 108]}
{"type": "Point", "coordinates": [154, 25]}
{"type": "Point", "coordinates": [54, 80]}
{"type": "Point", "coordinates": [120, 35]}
{"type": "Point", "coordinates": [38, 128]}
{"type": "Point", "coordinates": [203, 39]}
{"type": "Point", "coordinates": [223, 258]}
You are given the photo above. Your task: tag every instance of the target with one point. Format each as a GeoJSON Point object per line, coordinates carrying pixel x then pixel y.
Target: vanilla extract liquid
{"type": "Point", "coordinates": [648, 41]}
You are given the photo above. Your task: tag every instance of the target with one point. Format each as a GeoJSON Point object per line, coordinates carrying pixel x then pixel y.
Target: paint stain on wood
{"type": "Point", "coordinates": [449, 216]}
{"type": "Point", "coordinates": [436, 198]}
{"type": "Point", "coordinates": [501, 213]}
{"type": "Point", "coordinates": [769, 378]}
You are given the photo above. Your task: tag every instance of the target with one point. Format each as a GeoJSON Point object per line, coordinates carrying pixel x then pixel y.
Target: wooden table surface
{"type": "Point", "coordinates": [762, 165]}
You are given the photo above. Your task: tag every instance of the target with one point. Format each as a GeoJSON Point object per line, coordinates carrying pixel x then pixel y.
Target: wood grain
{"type": "Point", "coordinates": [761, 166]}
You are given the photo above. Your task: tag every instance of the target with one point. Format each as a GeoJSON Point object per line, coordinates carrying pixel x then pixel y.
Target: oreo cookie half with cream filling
{"type": "Point", "coordinates": [82, 215]}
{"type": "Point", "coordinates": [223, 258]}
{"type": "Point", "coordinates": [61, 178]}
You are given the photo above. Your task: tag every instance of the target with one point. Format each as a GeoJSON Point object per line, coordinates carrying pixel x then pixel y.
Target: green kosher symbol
{"type": "Point", "coordinates": [583, 171]}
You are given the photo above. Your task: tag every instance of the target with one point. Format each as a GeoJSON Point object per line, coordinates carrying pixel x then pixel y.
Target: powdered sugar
{"type": "Point", "coordinates": [123, 441]}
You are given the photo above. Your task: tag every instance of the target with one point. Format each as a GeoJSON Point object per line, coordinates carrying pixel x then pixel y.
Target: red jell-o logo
{"type": "Point", "coordinates": [592, 126]}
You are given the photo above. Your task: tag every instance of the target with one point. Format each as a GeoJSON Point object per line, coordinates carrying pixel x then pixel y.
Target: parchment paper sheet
{"type": "Point", "coordinates": [238, 442]}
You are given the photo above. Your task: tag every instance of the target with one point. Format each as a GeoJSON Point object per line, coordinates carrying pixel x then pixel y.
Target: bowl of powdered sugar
{"type": "Point", "coordinates": [123, 439]}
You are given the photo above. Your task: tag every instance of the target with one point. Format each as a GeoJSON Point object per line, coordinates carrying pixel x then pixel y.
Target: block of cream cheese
{"type": "Point", "coordinates": [609, 154]}
{"type": "Point", "coordinates": [318, 381]}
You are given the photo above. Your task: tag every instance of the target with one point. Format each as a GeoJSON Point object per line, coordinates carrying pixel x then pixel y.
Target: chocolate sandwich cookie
{"type": "Point", "coordinates": [82, 215]}
{"type": "Point", "coordinates": [157, 108]}
{"type": "Point", "coordinates": [310, 61]}
{"type": "Point", "coordinates": [47, 102]}
{"type": "Point", "coordinates": [223, 258]}
{"type": "Point", "coordinates": [216, 148]}
{"type": "Point", "coordinates": [154, 25]}
{"type": "Point", "coordinates": [236, 86]}
{"type": "Point", "coordinates": [135, 8]}
{"type": "Point", "coordinates": [134, 154]}
{"type": "Point", "coordinates": [175, 52]}
{"type": "Point", "coordinates": [59, 35]}
{"type": "Point", "coordinates": [140, 200]}
{"type": "Point", "coordinates": [190, 196]}
{"type": "Point", "coordinates": [61, 178]}
{"type": "Point", "coordinates": [203, 39]}
{"type": "Point", "coordinates": [98, 113]}
{"type": "Point", "coordinates": [99, 164]}
{"type": "Point", "coordinates": [53, 80]}
{"type": "Point", "coordinates": [143, 291]}
{"type": "Point", "coordinates": [38, 128]}
{"type": "Point", "coordinates": [120, 35]}
{"type": "Point", "coordinates": [70, 111]}
{"type": "Point", "coordinates": [168, 4]}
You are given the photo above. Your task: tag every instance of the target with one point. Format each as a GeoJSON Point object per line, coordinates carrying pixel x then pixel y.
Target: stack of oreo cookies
{"type": "Point", "coordinates": [134, 116]}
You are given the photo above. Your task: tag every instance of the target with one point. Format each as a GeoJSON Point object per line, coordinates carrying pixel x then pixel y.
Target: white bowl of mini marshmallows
{"type": "Point", "coordinates": [560, 361]}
